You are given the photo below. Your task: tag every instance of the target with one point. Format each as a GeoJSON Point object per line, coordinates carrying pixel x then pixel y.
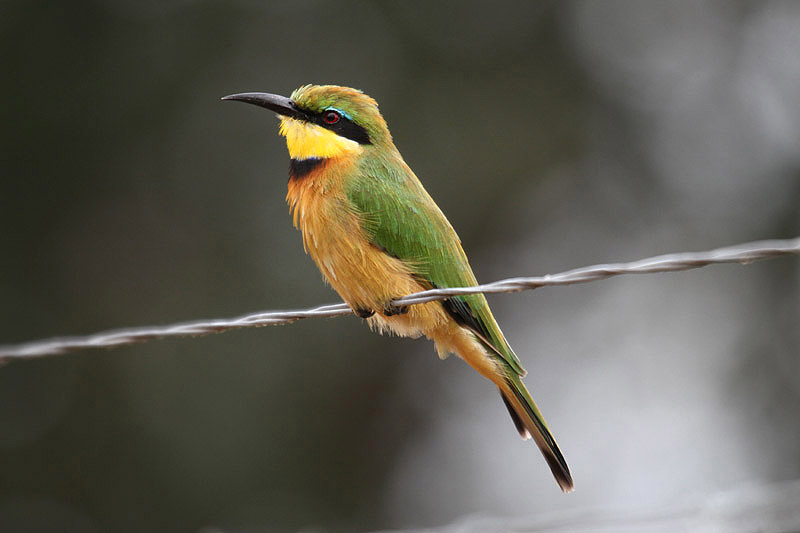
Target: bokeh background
{"type": "Point", "coordinates": [552, 134]}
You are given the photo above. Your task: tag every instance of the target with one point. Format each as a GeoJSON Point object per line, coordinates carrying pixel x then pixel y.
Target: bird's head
{"type": "Point", "coordinates": [323, 121]}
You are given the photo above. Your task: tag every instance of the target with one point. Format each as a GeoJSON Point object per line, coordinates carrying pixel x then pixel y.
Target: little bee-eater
{"type": "Point", "coordinates": [377, 235]}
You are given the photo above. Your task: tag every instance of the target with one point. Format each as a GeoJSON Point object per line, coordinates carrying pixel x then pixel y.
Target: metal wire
{"type": "Point", "coordinates": [742, 254]}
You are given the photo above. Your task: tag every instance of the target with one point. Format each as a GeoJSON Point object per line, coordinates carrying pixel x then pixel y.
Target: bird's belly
{"type": "Point", "coordinates": [365, 276]}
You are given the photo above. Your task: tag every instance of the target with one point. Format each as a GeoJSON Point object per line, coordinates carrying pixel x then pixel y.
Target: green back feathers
{"type": "Point", "coordinates": [402, 219]}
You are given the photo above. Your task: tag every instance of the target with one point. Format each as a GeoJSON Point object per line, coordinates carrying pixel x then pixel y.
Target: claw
{"type": "Point", "coordinates": [390, 310]}
{"type": "Point", "coordinates": [363, 313]}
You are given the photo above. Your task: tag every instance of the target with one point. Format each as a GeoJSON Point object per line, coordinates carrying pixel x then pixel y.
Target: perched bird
{"type": "Point", "coordinates": [376, 235]}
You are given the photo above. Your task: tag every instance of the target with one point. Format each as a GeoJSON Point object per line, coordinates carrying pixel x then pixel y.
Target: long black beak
{"type": "Point", "coordinates": [280, 104]}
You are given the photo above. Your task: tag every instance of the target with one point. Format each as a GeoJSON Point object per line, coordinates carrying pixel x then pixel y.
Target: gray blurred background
{"type": "Point", "coordinates": [552, 134]}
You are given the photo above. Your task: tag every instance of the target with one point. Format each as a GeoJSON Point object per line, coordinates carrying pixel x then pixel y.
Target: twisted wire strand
{"type": "Point", "coordinates": [742, 254]}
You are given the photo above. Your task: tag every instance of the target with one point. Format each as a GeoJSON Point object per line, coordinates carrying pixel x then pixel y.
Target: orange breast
{"type": "Point", "coordinates": [363, 275]}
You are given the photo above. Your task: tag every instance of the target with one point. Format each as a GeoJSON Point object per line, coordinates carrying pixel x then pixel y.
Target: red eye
{"type": "Point", "coordinates": [331, 117]}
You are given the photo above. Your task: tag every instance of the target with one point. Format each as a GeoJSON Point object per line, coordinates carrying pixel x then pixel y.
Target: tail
{"type": "Point", "coordinates": [526, 416]}
{"type": "Point", "coordinates": [530, 423]}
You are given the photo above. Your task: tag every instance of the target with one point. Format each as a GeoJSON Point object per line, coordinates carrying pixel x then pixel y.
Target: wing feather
{"type": "Point", "coordinates": [401, 218]}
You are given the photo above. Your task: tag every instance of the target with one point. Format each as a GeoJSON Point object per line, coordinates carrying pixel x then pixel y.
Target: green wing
{"type": "Point", "coordinates": [401, 218]}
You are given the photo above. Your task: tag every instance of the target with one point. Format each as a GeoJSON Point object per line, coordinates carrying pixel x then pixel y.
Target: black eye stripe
{"type": "Point", "coordinates": [343, 126]}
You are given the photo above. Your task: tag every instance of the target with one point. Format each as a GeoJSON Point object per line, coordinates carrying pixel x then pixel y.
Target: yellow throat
{"type": "Point", "coordinates": [306, 140]}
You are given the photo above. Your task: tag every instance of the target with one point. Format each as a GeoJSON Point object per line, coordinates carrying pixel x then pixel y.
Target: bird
{"type": "Point", "coordinates": [376, 235]}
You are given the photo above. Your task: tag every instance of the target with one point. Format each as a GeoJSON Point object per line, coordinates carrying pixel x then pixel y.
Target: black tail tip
{"type": "Point", "coordinates": [566, 484]}
{"type": "Point", "coordinates": [561, 473]}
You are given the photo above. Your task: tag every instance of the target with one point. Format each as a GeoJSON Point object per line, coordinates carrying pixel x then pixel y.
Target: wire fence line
{"type": "Point", "coordinates": [741, 254]}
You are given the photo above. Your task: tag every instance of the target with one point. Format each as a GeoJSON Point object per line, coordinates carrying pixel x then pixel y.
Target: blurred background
{"type": "Point", "coordinates": [553, 135]}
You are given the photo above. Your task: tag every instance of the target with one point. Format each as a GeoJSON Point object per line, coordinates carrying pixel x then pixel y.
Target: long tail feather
{"type": "Point", "coordinates": [530, 423]}
{"type": "Point", "coordinates": [526, 416]}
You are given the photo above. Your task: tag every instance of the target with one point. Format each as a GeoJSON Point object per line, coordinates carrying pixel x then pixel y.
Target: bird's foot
{"type": "Point", "coordinates": [391, 310]}
{"type": "Point", "coordinates": [363, 312]}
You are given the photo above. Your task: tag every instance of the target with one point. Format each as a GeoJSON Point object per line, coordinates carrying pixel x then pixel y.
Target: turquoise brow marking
{"type": "Point", "coordinates": [343, 113]}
